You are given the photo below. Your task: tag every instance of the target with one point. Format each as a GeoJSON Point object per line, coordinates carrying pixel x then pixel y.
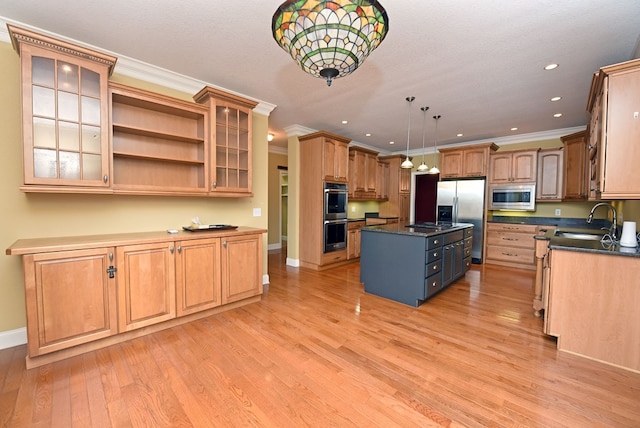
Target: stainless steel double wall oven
{"type": "Point", "coordinates": [335, 216]}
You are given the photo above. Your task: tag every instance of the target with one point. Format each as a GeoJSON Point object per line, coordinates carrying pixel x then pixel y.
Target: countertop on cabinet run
{"type": "Point", "coordinates": [427, 229]}
{"type": "Point", "coordinates": [587, 246]}
{"type": "Point", "coordinates": [551, 221]}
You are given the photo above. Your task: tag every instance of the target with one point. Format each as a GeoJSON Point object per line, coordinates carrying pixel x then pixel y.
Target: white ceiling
{"type": "Point", "coordinates": [478, 64]}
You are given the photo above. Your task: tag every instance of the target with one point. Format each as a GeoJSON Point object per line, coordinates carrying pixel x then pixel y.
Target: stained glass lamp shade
{"type": "Point", "coordinates": [329, 39]}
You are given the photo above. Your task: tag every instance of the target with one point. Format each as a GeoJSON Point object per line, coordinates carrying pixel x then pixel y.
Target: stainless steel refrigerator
{"type": "Point", "coordinates": [463, 201]}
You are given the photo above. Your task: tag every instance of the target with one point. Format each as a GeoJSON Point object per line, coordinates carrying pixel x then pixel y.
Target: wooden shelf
{"type": "Point", "coordinates": [155, 134]}
{"type": "Point", "coordinates": [157, 158]}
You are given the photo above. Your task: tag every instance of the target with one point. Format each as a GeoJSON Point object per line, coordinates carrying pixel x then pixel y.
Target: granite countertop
{"type": "Point", "coordinates": [552, 221]}
{"type": "Point", "coordinates": [422, 231]}
{"type": "Point", "coordinates": [587, 246]}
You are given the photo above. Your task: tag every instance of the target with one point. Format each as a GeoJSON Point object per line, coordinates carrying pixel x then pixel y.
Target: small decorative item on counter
{"type": "Point", "coordinates": [197, 226]}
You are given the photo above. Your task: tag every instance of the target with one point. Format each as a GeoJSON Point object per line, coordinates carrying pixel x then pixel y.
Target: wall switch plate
{"type": "Point", "coordinates": [558, 211]}
{"type": "Point", "coordinates": [257, 212]}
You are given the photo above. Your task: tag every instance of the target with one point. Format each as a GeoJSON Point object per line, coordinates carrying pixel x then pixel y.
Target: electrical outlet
{"type": "Point", "coordinates": [558, 211]}
{"type": "Point", "coordinates": [353, 209]}
{"type": "Point", "coordinates": [257, 212]}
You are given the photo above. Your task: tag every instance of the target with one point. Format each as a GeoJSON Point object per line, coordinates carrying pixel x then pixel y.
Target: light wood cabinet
{"type": "Point", "coordinates": [70, 299]}
{"type": "Point", "coordinates": [198, 275]}
{"type": "Point", "coordinates": [241, 267]}
{"type": "Point", "coordinates": [398, 201]}
{"type": "Point", "coordinates": [549, 185]}
{"type": "Point", "coordinates": [518, 166]}
{"type": "Point", "coordinates": [87, 292]}
{"type": "Point", "coordinates": [159, 143]}
{"type": "Point", "coordinates": [323, 157]}
{"type": "Point", "coordinates": [146, 284]}
{"type": "Point", "coordinates": [65, 116]}
{"type": "Point", "coordinates": [575, 166]}
{"type": "Point", "coordinates": [353, 239]}
{"type": "Point", "coordinates": [467, 161]}
{"type": "Point", "coordinates": [594, 145]}
{"type": "Point", "coordinates": [363, 167]}
{"type": "Point", "coordinates": [615, 102]}
{"type": "Point", "coordinates": [511, 245]}
{"type": "Point", "coordinates": [231, 139]}
{"type": "Point", "coordinates": [382, 180]}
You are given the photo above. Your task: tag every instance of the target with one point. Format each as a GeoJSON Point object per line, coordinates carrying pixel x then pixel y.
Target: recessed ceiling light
{"type": "Point", "coordinates": [367, 135]}
{"type": "Point", "coordinates": [556, 98]}
{"type": "Point", "coordinates": [557, 115]}
{"type": "Point", "coordinates": [392, 142]}
{"type": "Point", "coordinates": [551, 66]}
{"type": "Point", "coordinates": [514, 129]}
{"type": "Point", "coordinates": [344, 122]}
{"type": "Point", "coordinates": [459, 135]}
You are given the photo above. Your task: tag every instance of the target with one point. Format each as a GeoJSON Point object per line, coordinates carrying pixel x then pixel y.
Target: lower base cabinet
{"type": "Point", "coordinates": [75, 298]}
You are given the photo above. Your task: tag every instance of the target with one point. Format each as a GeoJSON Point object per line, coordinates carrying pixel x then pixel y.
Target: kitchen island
{"type": "Point", "coordinates": [410, 264]}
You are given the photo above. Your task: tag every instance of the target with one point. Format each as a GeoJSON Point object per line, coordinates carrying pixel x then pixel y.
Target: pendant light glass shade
{"type": "Point", "coordinates": [434, 169]}
{"type": "Point", "coordinates": [407, 162]}
{"type": "Point", "coordinates": [329, 39]}
{"type": "Point", "coordinates": [423, 166]}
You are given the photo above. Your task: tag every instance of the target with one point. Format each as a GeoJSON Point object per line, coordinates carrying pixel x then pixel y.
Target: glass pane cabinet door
{"type": "Point", "coordinates": [232, 149]}
{"type": "Point", "coordinates": [65, 112]}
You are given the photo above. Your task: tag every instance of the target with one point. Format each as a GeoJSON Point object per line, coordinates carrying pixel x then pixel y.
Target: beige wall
{"type": "Point", "coordinates": [45, 215]}
{"type": "Point", "coordinates": [275, 160]}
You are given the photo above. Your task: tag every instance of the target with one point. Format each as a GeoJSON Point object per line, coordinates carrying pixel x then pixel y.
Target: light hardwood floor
{"type": "Point", "coordinates": [317, 351]}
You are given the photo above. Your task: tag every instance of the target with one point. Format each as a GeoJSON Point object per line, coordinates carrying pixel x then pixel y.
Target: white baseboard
{"type": "Point", "coordinates": [293, 262]}
{"type": "Point", "coordinates": [11, 338]}
{"type": "Point", "coordinates": [265, 279]}
{"type": "Point", "coordinates": [275, 246]}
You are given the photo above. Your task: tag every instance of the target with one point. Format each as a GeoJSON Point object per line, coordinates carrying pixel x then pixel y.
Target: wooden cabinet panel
{"type": "Point", "coordinates": [70, 299]}
{"type": "Point", "coordinates": [65, 113]}
{"type": "Point", "coordinates": [382, 180]}
{"type": "Point", "coordinates": [335, 160]}
{"type": "Point", "coordinates": [146, 284]}
{"type": "Point", "coordinates": [198, 275]}
{"type": "Point", "coordinates": [513, 167]}
{"type": "Point", "coordinates": [468, 161]}
{"type": "Point", "coordinates": [575, 166]}
{"type": "Point", "coordinates": [363, 169]}
{"type": "Point", "coordinates": [241, 267]}
{"type": "Point", "coordinates": [549, 185]}
{"type": "Point", "coordinates": [398, 201]}
{"type": "Point", "coordinates": [511, 245]}
{"type": "Point", "coordinates": [353, 239]}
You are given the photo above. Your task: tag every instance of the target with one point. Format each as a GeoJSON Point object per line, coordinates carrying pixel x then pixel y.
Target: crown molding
{"type": "Point", "coordinates": [298, 130]}
{"type": "Point", "coordinates": [278, 150]}
{"type": "Point", "coordinates": [140, 70]}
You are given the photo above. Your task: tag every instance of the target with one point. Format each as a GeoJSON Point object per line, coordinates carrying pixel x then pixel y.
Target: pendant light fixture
{"type": "Point", "coordinates": [423, 166]}
{"type": "Point", "coordinates": [331, 38]}
{"type": "Point", "coordinates": [435, 169]}
{"type": "Point", "coordinates": [407, 162]}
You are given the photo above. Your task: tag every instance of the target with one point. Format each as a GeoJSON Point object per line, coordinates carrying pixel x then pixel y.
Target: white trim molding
{"type": "Point", "coordinates": [11, 338]}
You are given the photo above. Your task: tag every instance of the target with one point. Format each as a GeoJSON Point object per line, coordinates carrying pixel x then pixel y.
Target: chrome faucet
{"type": "Point", "coordinates": [613, 230]}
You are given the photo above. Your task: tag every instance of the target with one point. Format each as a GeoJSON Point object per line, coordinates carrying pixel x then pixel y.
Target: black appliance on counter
{"type": "Point", "coordinates": [335, 216]}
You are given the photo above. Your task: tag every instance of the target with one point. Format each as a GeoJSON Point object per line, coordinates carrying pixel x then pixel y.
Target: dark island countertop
{"type": "Point", "coordinates": [426, 229]}
{"type": "Point", "coordinates": [589, 246]}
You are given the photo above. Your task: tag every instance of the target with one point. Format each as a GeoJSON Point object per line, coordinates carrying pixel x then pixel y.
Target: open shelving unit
{"type": "Point", "coordinates": [159, 144]}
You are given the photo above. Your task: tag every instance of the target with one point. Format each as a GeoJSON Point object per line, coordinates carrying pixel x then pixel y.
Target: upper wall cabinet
{"type": "Point", "coordinates": [614, 104]}
{"type": "Point", "coordinates": [517, 166]}
{"type": "Point", "coordinates": [575, 164]}
{"type": "Point", "coordinates": [231, 141]}
{"type": "Point", "coordinates": [469, 161]}
{"type": "Point", "coordinates": [65, 117]}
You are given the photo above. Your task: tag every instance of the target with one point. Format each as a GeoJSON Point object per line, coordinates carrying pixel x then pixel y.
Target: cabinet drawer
{"type": "Point", "coordinates": [434, 242]}
{"type": "Point", "coordinates": [508, 227]}
{"type": "Point", "coordinates": [507, 254]}
{"type": "Point", "coordinates": [354, 225]}
{"type": "Point", "coordinates": [508, 239]}
{"type": "Point", "coordinates": [467, 252]}
{"type": "Point", "coordinates": [432, 285]}
{"type": "Point", "coordinates": [333, 257]}
{"type": "Point", "coordinates": [434, 254]}
{"type": "Point", "coordinates": [433, 268]}
{"type": "Point", "coordinates": [467, 263]}
{"type": "Point", "coordinates": [453, 237]}
{"type": "Point", "coordinates": [468, 233]}
{"type": "Point", "coordinates": [468, 242]}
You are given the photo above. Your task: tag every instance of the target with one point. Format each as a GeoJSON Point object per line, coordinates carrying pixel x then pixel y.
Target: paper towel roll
{"type": "Point", "coordinates": [628, 238]}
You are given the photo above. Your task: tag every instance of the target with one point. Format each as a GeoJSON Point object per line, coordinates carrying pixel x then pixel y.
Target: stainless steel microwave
{"type": "Point", "coordinates": [520, 197]}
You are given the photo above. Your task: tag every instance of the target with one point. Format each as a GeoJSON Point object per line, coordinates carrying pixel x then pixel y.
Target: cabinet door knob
{"type": "Point", "coordinates": [171, 249]}
{"type": "Point", "coordinates": [224, 244]}
{"type": "Point", "coordinates": [105, 178]}
{"type": "Point", "coordinates": [180, 248]}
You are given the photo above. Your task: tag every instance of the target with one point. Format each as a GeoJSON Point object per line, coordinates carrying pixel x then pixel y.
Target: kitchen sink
{"type": "Point", "coordinates": [596, 235]}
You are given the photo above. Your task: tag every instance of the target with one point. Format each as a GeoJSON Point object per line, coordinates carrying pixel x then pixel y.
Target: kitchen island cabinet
{"type": "Point", "coordinates": [86, 292]}
{"type": "Point", "coordinates": [423, 261]}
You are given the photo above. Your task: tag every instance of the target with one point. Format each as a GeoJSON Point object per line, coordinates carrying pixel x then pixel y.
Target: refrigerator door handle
{"type": "Point", "coordinates": [454, 216]}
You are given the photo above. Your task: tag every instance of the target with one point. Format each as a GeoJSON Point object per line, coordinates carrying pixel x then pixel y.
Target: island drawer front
{"type": "Point", "coordinates": [510, 254]}
{"type": "Point", "coordinates": [453, 237]}
{"type": "Point", "coordinates": [468, 242]}
{"type": "Point", "coordinates": [468, 232]}
{"type": "Point", "coordinates": [467, 252]}
{"type": "Point", "coordinates": [434, 254]}
{"type": "Point", "coordinates": [467, 263]}
{"type": "Point", "coordinates": [434, 242]}
{"type": "Point", "coordinates": [432, 285]}
{"type": "Point", "coordinates": [433, 268]}
{"type": "Point", "coordinates": [511, 239]}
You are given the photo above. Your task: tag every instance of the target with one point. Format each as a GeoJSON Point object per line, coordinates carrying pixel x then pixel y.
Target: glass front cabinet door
{"type": "Point", "coordinates": [231, 141]}
{"type": "Point", "coordinates": [64, 112]}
